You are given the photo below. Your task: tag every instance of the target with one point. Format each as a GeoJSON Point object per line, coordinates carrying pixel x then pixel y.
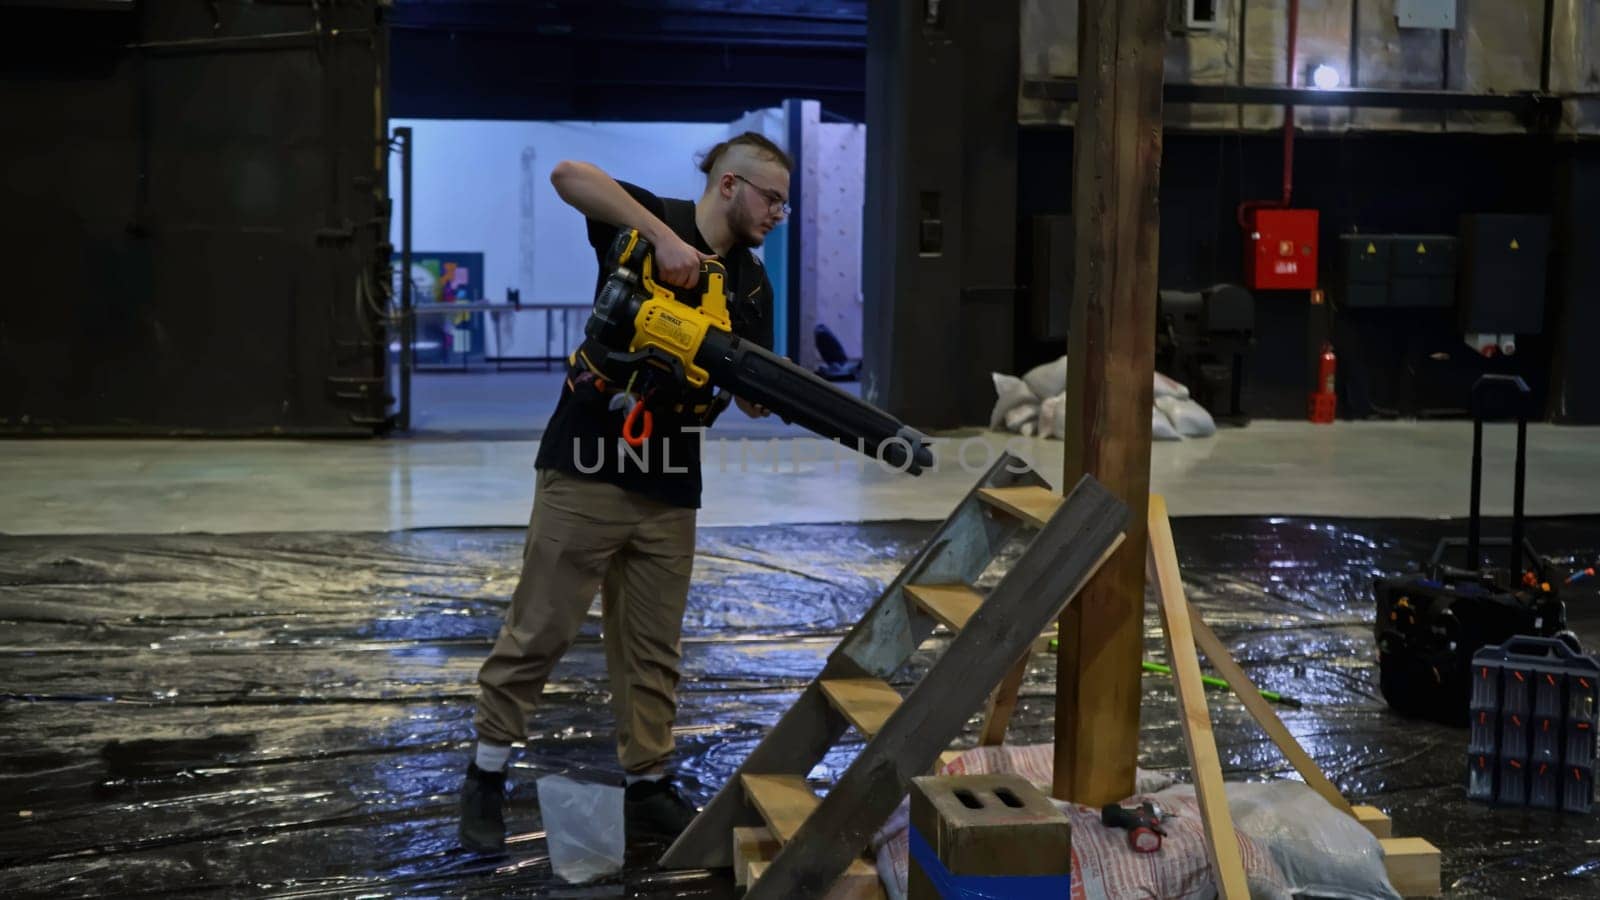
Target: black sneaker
{"type": "Point", "coordinates": [655, 809]}
{"type": "Point", "coordinates": [483, 821]}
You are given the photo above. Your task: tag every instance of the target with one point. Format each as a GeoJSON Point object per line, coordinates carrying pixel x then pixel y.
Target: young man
{"type": "Point", "coordinates": [621, 521]}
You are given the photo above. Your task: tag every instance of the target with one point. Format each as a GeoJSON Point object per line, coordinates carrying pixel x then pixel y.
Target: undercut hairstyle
{"type": "Point", "coordinates": [759, 144]}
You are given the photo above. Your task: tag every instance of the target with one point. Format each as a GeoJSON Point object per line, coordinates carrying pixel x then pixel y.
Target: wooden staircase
{"type": "Point", "coordinates": [821, 839]}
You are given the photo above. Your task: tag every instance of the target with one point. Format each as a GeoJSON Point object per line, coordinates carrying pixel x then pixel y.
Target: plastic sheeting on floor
{"type": "Point", "coordinates": [288, 715]}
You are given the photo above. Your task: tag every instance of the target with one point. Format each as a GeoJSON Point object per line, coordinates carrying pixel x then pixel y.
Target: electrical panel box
{"type": "Point", "coordinates": [1364, 271]}
{"type": "Point", "coordinates": [1439, 14]}
{"type": "Point", "coordinates": [1396, 270]}
{"type": "Point", "coordinates": [1424, 268]}
{"type": "Point", "coordinates": [1283, 250]}
{"type": "Point", "coordinates": [1502, 288]}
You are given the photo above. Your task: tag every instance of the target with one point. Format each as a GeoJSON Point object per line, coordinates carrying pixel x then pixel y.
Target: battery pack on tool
{"type": "Point", "coordinates": [639, 325]}
{"type": "Point", "coordinates": [1533, 719]}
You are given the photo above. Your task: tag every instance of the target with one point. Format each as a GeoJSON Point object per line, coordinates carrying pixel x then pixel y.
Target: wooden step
{"type": "Point", "coordinates": [783, 800]}
{"type": "Point", "coordinates": [951, 604]}
{"type": "Point", "coordinates": [859, 882]}
{"type": "Point", "coordinates": [866, 702]}
{"type": "Point", "coordinates": [1033, 505]}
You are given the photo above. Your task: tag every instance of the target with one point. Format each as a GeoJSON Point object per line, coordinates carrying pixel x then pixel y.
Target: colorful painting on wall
{"type": "Point", "coordinates": [444, 278]}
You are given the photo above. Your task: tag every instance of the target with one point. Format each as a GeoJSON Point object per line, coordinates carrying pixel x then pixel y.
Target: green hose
{"type": "Point", "coordinates": [1159, 669]}
{"type": "Point", "coordinates": [1274, 696]}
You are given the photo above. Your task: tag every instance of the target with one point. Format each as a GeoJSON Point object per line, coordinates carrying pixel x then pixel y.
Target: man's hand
{"type": "Point", "coordinates": [753, 410]}
{"type": "Point", "coordinates": [677, 263]}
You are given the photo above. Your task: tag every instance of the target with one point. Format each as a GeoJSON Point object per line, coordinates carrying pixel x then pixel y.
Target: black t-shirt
{"type": "Point", "coordinates": [584, 434]}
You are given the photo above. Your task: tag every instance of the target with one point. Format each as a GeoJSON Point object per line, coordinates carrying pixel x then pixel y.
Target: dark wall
{"type": "Point", "coordinates": [594, 60]}
{"type": "Point", "coordinates": [1375, 183]}
{"type": "Point", "coordinates": [189, 209]}
{"type": "Point", "coordinates": [1576, 272]}
{"type": "Point", "coordinates": [936, 273]}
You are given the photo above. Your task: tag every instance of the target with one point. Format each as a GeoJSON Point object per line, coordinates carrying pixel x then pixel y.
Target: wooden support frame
{"type": "Point", "coordinates": [1222, 843]}
{"type": "Point", "coordinates": [1413, 864]}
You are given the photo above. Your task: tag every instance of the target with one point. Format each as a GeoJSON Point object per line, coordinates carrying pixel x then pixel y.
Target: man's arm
{"type": "Point", "coordinates": [589, 190]}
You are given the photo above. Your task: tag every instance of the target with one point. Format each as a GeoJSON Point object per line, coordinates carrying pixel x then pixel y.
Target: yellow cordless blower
{"type": "Point", "coordinates": [639, 325]}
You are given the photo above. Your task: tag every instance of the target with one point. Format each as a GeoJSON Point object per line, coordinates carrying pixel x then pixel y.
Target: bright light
{"type": "Point", "coordinates": [1325, 77]}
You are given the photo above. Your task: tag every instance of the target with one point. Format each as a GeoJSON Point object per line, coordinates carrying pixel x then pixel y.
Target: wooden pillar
{"type": "Point", "coordinates": [1110, 361]}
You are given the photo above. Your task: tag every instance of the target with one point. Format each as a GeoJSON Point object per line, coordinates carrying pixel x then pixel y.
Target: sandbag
{"type": "Point", "coordinates": [1188, 417]}
{"type": "Point", "coordinates": [1053, 417]}
{"type": "Point", "coordinates": [1321, 851]}
{"type": "Point", "coordinates": [1104, 867]}
{"type": "Point", "coordinates": [1161, 428]}
{"type": "Point", "coordinates": [1047, 379]}
{"type": "Point", "coordinates": [1010, 391]}
{"type": "Point", "coordinates": [1020, 415]}
{"type": "Point", "coordinates": [1166, 387]}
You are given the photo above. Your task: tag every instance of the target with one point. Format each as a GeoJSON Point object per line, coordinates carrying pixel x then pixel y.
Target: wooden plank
{"type": "Point", "coordinates": [1217, 654]}
{"type": "Point", "coordinates": [1110, 364]}
{"type": "Point", "coordinates": [1374, 820]}
{"type": "Point", "coordinates": [751, 844]}
{"type": "Point", "coordinates": [783, 800]}
{"type": "Point", "coordinates": [1033, 505]}
{"type": "Point", "coordinates": [1047, 576]}
{"type": "Point", "coordinates": [866, 702]}
{"type": "Point", "coordinates": [1413, 866]}
{"type": "Point", "coordinates": [1222, 843]}
{"type": "Point", "coordinates": [1002, 703]}
{"type": "Point", "coordinates": [951, 604]}
{"type": "Point", "coordinates": [859, 882]}
{"type": "Point", "coordinates": [948, 757]}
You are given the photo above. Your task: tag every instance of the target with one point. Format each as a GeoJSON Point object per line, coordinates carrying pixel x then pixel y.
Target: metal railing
{"type": "Point", "coordinates": [563, 319]}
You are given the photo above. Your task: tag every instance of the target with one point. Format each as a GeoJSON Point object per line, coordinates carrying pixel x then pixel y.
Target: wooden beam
{"type": "Point", "coordinates": [1413, 866]}
{"type": "Point", "coordinates": [859, 882]}
{"type": "Point", "coordinates": [1110, 362]}
{"type": "Point", "coordinates": [1002, 703]}
{"type": "Point", "coordinates": [1217, 654]}
{"type": "Point", "coordinates": [1222, 844]}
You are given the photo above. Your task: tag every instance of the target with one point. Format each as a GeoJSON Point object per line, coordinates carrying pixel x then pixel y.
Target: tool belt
{"type": "Point", "coordinates": [645, 397]}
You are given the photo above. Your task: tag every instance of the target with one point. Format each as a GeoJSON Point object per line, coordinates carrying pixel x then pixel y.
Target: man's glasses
{"type": "Point", "coordinates": [775, 200]}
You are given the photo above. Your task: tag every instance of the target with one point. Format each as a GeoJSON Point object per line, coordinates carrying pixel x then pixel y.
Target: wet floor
{"type": "Point", "coordinates": [288, 715]}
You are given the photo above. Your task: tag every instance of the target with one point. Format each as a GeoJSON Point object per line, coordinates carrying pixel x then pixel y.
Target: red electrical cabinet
{"type": "Point", "coordinates": [1283, 250]}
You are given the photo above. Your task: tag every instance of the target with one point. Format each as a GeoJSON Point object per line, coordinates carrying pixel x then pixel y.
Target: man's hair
{"type": "Point", "coordinates": [761, 145]}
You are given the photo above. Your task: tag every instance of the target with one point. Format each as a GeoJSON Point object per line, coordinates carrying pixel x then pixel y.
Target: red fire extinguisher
{"type": "Point", "coordinates": [1324, 402]}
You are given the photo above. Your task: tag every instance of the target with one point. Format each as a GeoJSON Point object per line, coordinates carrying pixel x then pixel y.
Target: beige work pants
{"type": "Point", "coordinates": [586, 536]}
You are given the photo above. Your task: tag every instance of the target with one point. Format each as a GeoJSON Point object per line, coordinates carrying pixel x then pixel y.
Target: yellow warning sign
{"type": "Point", "coordinates": [1422, 248]}
{"type": "Point", "coordinates": [1515, 245]}
{"type": "Point", "coordinates": [1372, 248]}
